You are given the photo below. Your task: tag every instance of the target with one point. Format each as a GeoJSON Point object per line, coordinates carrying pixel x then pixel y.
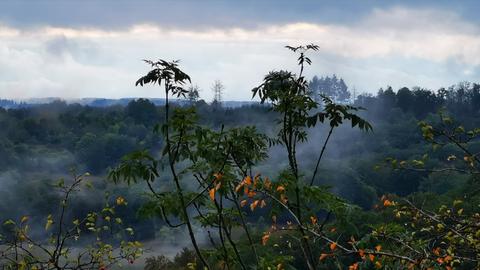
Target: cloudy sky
{"type": "Point", "coordinates": [89, 48]}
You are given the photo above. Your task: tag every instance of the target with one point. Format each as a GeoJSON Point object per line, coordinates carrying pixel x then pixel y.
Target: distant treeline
{"type": "Point", "coordinates": [462, 99]}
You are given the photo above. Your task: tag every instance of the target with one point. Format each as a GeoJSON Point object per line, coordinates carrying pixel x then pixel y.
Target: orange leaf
{"type": "Point", "coordinates": [436, 251]}
{"type": "Point", "coordinates": [218, 186]}
{"type": "Point", "coordinates": [361, 252]}
{"type": "Point", "coordinates": [280, 189]}
{"type": "Point", "coordinates": [447, 258]}
{"type": "Point", "coordinates": [353, 266]}
{"type": "Point", "coordinates": [378, 265]}
{"type": "Point", "coordinates": [218, 176]}
{"type": "Point", "coordinates": [333, 246]}
{"type": "Point", "coordinates": [279, 266]}
{"type": "Point", "coordinates": [212, 194]}
{"type": "Point", "coordinates": [323, 256]}
{"type": "Point", "coordinates": [265, 238]}
{"type": "Point", "coordinates": [254, 205]}
{"type": "Point", "coordinates": [237, 189]}
{"type": "Point", "coordinates": [248, 180]}
{"type": "Point", "coordinates": [371, 257]}
{"type": "Point", "coordinates": [243, 203]}
{"type": "Point", "coordinates": [251, 194]}
{"type": "Point", "coordinates": [313, 220]}
{"type": "Point", "coordinates": [333, 229]}
{"type": "Point", "coordinates": [387, 203]}
{"type": "Point", "coordinates": [378, 248]}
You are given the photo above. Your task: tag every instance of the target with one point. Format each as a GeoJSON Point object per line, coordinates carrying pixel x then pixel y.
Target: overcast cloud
{"type": "Point", "coordinates": [69, 50]}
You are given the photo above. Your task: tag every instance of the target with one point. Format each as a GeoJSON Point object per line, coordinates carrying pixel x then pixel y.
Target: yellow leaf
{"type": "Point", "coordinates": [313, 220]}
{"type": "Point", "coordinates": [280, 189]}
{"type": "Point", "coordinates": [49, 222]}
{"type": "Point", "coordinates": [256, 179]}
{"type": "Point", "coordinates": [279, 266]}
{"type": "Point", "coordinates": [267, 184]}
{"type": "Point", "coordinates": [283, 199]}
{"type": "Point", "coordinates": [24, 219]}
{"type": "Point", "coordinates": [211, 193]}
{"type": "Point", "coordinates": [120, 200]}
{"type": "Point", "coordinates": [378, 265]}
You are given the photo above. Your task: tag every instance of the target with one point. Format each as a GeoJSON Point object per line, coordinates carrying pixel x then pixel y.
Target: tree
{"type": "Point", "coordinates": [427, 232]}
{"type": "Point", "coordinates": [217, 89]}
{"type": "Point", "coordinates": [221, 163]}
{"type": "Point", "coordinates": [193, 94]}
{"type": "Point", "coordinates": [289, 97]}
{"type": "Point", "coordinates": [332, 87]}
{"type": "Point", "coordinates": [404, 99]}
{"type": "Point", "coordinates": [20, 249]}
{"type": "Point", "coordinates": [342, 94]}
{"type": "Point", "coordinates": [142, 111]}
{"type": "Point", "coordinates": [314, 88]}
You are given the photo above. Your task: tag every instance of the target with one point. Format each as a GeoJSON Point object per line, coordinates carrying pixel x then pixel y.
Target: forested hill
{"type": "Point", "coordinates": [57, 136]}
{"type": "Point", "coordinates": [101, 102]}
{"type": "Point", "coordinates": [40, 144]}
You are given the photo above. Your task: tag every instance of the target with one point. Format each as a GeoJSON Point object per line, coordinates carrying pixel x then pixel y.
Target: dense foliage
{"type": "Point", "coordinates": [286, 183]}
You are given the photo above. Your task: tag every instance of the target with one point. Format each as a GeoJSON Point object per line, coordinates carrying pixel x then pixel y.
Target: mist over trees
{"type": "Point", "coordinates": [332, 87]}
{"type": "Point", "coordinates": [422, 149]}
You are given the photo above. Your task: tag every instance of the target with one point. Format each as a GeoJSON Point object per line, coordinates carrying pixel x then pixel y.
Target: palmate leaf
{"type": "Point", "coordinates": [167, 72]}
{"type": "Point", "coordinates": [139, 165]}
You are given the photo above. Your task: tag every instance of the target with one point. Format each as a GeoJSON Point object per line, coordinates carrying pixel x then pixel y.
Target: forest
{"type": "Point", "coordinates": [309, 176]}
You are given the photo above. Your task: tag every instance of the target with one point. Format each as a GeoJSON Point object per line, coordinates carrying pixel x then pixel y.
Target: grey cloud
{"type": "Point", "coordinates": [115, 14]}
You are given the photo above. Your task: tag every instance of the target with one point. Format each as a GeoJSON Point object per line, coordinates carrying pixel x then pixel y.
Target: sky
{"type": "Point", "coordinates": [76, 49]}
